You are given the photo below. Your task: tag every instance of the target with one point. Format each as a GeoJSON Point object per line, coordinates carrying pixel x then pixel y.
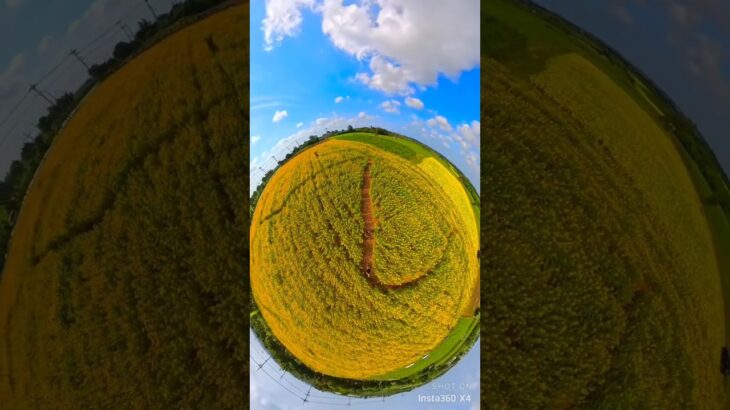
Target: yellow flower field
{"type": "Point", "coordinates": [113, 295]}
{"type": "Point", "coordinates": [307, 274]}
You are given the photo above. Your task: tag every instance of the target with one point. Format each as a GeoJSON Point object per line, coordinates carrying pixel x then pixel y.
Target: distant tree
{"type": "Point", "coordinates": [145, 30]}
{"type": "Point", "coordinates": [123, 50]}
{"type": "Point", "coordinates": [5, 192]}
{"type": "Point", "coordinates": [56, 113]}
{"type": "Point", "coordinates": [349, 128]}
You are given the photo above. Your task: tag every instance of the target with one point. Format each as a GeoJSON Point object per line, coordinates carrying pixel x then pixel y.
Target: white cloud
{"type": "Point", "coordinates": [391, 106]}
{"type": "Point", "coordinates": [409, 41]}
{"type": "Point", "coordinates": [99, 16]}
{"type": "Point", "coordinates": [414, 103]}
{"type": "Point", "coordinates": [299, 124]}
{"type": "Point", "coordinates": [14, 67]}
{"type": "Point", "coordinates": [320, 121]}
{"type": "Point", "coordinates": [73, 26]}
{"type": "Point", "coordinates": [255, 139]}
{"type": "Point", "coordinates": [439, 121]}
{"type": "Point", "coordinates": [472, 160]}
{"type": "Point", "coordinates": [279, 115]}
{"type": "Point", "coordinates": [362, 115]}
{"type": "Point", "coordinates": [471, 133]}
{"type": "Point", "coordinates": [11, 4]}
{"type": "Point", "coordinates": [339, 100]}
{"type": "Point", "coordinates": [386, 77]}
{"type": "Point", "coordinates": [283, 18]}
{"type": "Point", "coordinates": [44, 44]}
{"type": "Point", "coordinates": [267, 104]}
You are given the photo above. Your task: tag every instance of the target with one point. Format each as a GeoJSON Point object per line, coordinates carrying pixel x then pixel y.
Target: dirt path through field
{"type": "Point", "coordinates": [367, 266]}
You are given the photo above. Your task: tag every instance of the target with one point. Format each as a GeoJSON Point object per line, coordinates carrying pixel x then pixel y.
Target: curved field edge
{"type": "Point", "coordinates": [89, 87]}
{"type": "Point", "coordinates": [406, 381]}
{"type": "Point", "coordinates": [200, 156]}
{"type": "Point", "coordinates": [456, 344]}
{"type": "Point", "coordinates": [710, 181]}
{"type": "Point", "coordinates": [356, 363]}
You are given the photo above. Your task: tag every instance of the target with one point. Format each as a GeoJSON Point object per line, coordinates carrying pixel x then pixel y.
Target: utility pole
{"type": "Point", "coordinates": [262, 364]}
{"type": "Point", "coordinates": [307, 396]}
{"type": "Point", "coordinates": [75, 53]}
{"type": "Point", "coordinates": [123, 27]}
{"type": "Point", "coordinates": [34, 88]}
{"type": "Point", "coordinates": [149, 6]}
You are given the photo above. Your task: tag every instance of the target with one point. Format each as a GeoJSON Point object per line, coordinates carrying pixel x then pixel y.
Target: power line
{"type": "Point", "coordinates": [52, 70]}
{"type": "Point", "coordinates": [297, 391]}
{"type": "Point", "coordinates": [75, 53]}
{"type": "Point", "coordinates": [97, 38]}
{"type": "Point", "coordinates": [15, 125]}
{"type": "Point", "coordinates": [15, 107]}
{"type": "Point", "coordinates": [152, 10]}
{"type": "Point", "coordinates": [124, 29]}
{"type": "Point", "coordinates": [34, 88]}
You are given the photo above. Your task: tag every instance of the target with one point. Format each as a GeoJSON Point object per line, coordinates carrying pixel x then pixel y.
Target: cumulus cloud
{"type": "Point", "coordinates": [255, 139]}
{"type": "Point", "coordinates": [13, 82]}
{"type": "Point", "coordinates": [361, 115]}
{"type": "Point", "coordinates": [622, 14]}
{"type": "Point", "coordinates": [12, 4]}
{"type": "Point", "coordinates": [341, 99]}
{"type": "Point", "coordinates": [386, 77]}
{"type": "Point", "coordinates": [299, 124]}
{"type": "Point", "coordinates": [439, 121]}
{"type": "Point", "coordinates": [414, 103]}
{"type": "Point", "coordinates": [283, 18]}
{"type": "Point", "coordinates": [279, 115]}
{"type": "Point", "coordinates": [407, 42]}
{"type": "Point", "coordinates": [414, 40]}
{"type": "Point", "coordinates": [471, 133]}
{"type": "Point", "coordinates": [44, 44]}
{"type": "Point", "coordinates": [464, 137]}
{"type": "Point", "coordinates": [14, 67]}
{"type": "Point", "coordinates": [391, 106]}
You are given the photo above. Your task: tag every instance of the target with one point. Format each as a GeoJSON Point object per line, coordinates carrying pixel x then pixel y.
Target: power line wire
{"type": "Point", "coordinates": [15, 125]}
{"type": "Point", "coordinates": [52, 70]}
{"type": "Point", "coordinates": [299, 393]}
{"type": "Point", "coordinates": [97, 38]}
{"type": "Point", "coordinates": [15, 107]}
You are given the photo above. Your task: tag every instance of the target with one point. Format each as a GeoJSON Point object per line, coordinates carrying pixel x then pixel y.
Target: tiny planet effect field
{"type": "Point", "coordinates": [365, 264]}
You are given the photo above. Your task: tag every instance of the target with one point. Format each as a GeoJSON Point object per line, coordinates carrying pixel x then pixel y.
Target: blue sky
{"type": "Point", "coordinates": [317, 81]}
{"type": "Point", "coordinates": [270, 391]}
{"type": "Point", "coordinates": [37, 35]}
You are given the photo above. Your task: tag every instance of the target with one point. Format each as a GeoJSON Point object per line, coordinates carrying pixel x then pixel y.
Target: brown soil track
{"type": "Point", "coordinates": [367, 265]}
